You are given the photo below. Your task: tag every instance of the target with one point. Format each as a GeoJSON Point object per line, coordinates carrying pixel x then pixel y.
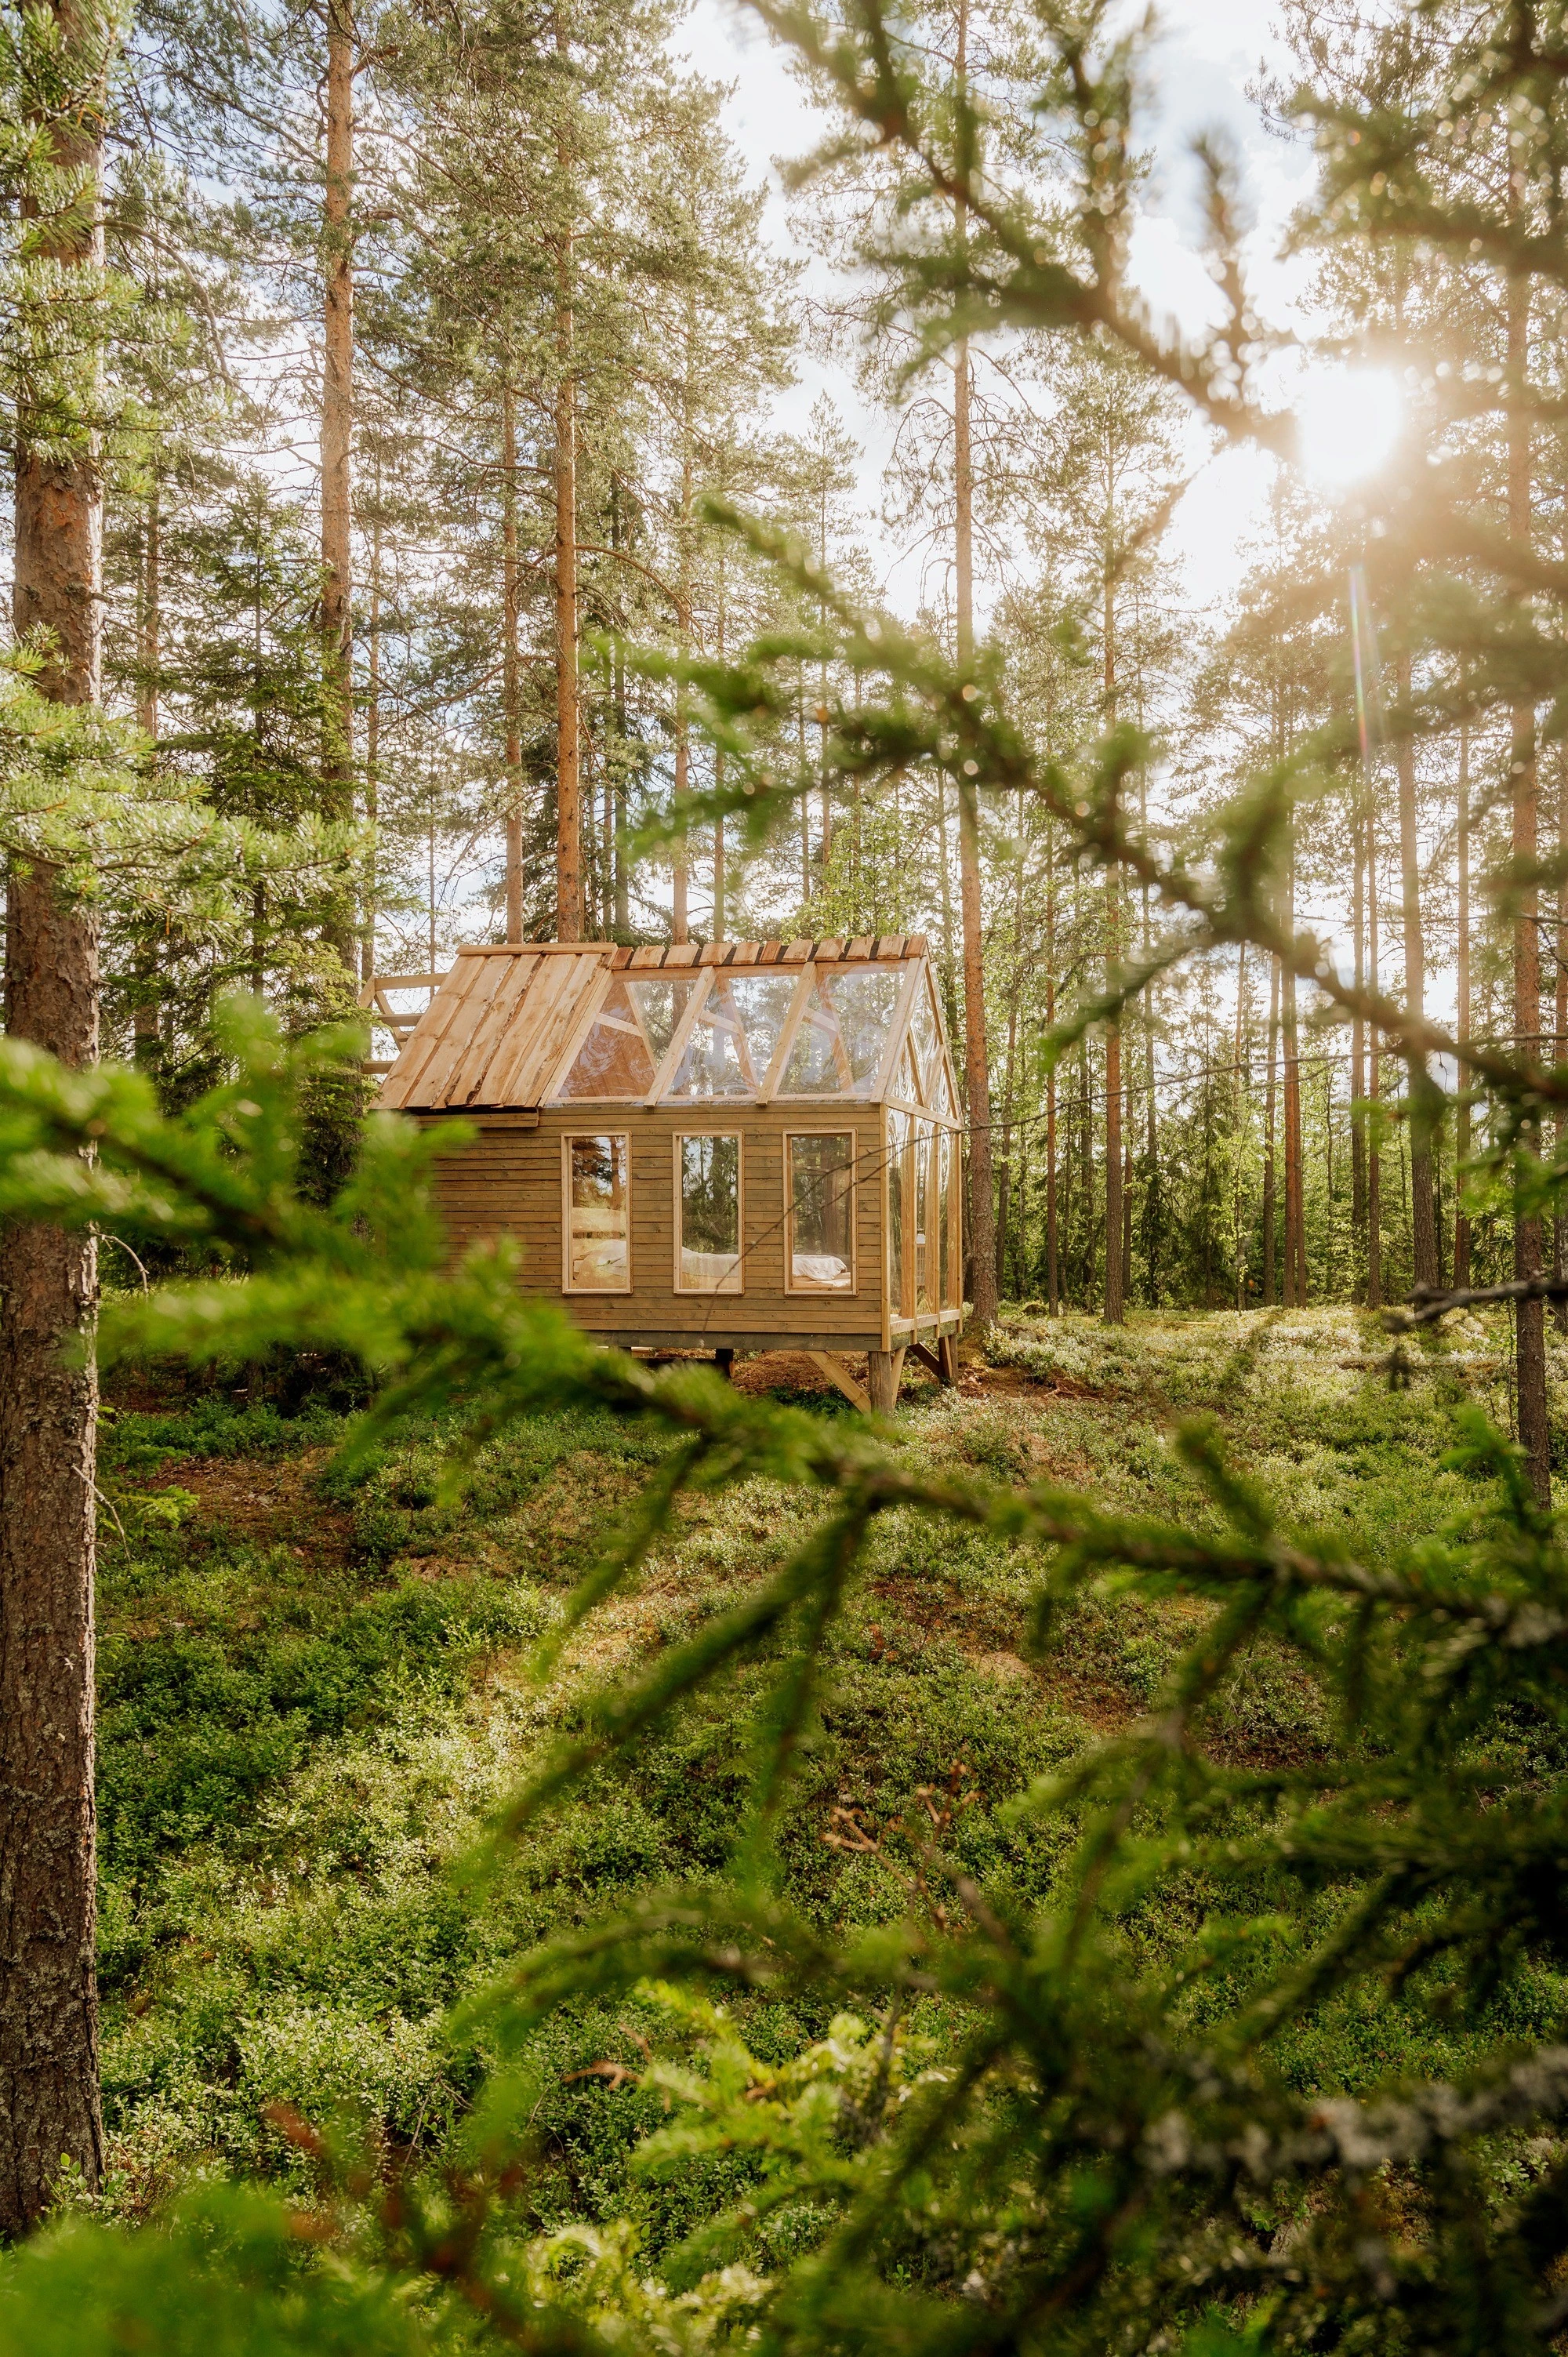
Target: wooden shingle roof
{"type": "Point", "coordinates": [503, 1017]}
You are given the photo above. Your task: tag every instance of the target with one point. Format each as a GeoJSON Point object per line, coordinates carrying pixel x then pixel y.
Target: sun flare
{"type": "Point", "coordinates": [1347, 421]}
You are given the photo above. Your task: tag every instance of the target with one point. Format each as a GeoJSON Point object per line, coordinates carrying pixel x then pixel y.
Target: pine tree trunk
{"type": "Point", "coordinates": [1296, 1218]}
{"type": "Point", "coordinates": [1270, 1108]}
{"type": "Point", "coordinates": [1243, 1091]}
{"type": "Point", "coordinates": [373, 743]}
{"type": "Point", "coordinates": [977, 1078]}
{"type": "Point", "coordinates": [1422, 1210]}
{"type": "Point", "coordinates": [144, 1019]}
{"type": "Point", "coordinates": [1114, 1309]}
{"type": "Point", "coordinates": [336, 444]}
{"type": "Point", "coordinates": [1115, 1300]}
{"type": "Point", "coordinates": [1462, 1112]}
{"type": "Point", "coordinates": [1009, 1143]}
{"type": "Point", "coordinates": [1559, 1024]}
{"type": "Point", "coordinates": [719, 918]}
{"type": "Point", "coordinates": [683, 628]}
{"type": "Point", "coordinates": [568, 778]}
{"type": "Point", "coordinates": [48, 1284]}
{"type": "Point", "coordinates": [1374, 1082]}
{"type": "Point", "coordinates": [511, 664]}
{"type": "Point", "coordinates": [1529, 1328]}
{"type": "Point", "coordinates": [1357, 1056]}
{"type": "Point", "coordinates": [1295, 1286]}
{"type": "Point", "coordinates": [1053, 1260]}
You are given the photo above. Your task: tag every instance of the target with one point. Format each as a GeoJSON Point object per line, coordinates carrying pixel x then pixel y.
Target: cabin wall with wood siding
{"type": "Point", "coordinates": [508, 1182]}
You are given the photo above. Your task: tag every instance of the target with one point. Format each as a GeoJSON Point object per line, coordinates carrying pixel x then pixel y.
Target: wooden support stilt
{"type": "Point", "coordinates": [833, 1367]}
{"type": "Point", "coordinates": [884, 1372]}
{"type": "Point", "coordinates": [927, 1358]}
{"type": "Point", "coordinates": [947, 1353]}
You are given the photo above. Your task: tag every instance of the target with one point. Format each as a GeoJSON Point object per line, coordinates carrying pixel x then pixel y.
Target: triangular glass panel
{"type": "Point", "coordinates": [762, 1002]}
{"type": "Point", "coordinates": [819, 1065]}
{"type": "Point", "coordinates": [661, 1001]}
{"type": "Point", "coordinates": [843, 1033]}
{"type": "Point", "coordinates": [613, 1061]}
{"type": "Point", "coordinates": [714, 1061]}
{"type": "Point", "coordinates": [923, 1033]}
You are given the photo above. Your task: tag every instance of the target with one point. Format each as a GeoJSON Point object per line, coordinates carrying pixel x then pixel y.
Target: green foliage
{"type": "Point", "coordinates": [232, 2271]}
{"type": "Point", "coordinates": [1242, 2027]}
{"type": "Point", "coordinates": [1124, 2116]}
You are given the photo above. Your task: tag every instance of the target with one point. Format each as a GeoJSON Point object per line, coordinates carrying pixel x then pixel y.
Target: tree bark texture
{"type": "Point", "coordinates": [568, 767]}
{"type": "Point", "coordinates": [1374, 1085]}
{"type": "Point", "coordinates": [1271, 1084]}
{"type": "Point", "coordinates": [48, 1998]}
{"type": "Point", "coordinates": [512, 662]}
{"type": "Point", "coordinates": [1357, 1056]}
{"type": "Point", "coordinates": [1053, 1255]}
{"type": "Point", "coordinates": [1422, 1208]}
{"type": "Point", "coordinates": [976, 1061]}
{"type": "Point", "coordinates": [1461, 1111]}
{"type": "Point", "coordinates": [372, 745]}
{"type": "Point", "coordinates": [1559, 1022]}
{"type": "Point", "coordinates": [1294, 1205]}
{"type": "Point", "coordinates": [149, 654]}
{"type": "Point", "coordinates": [337, 444]}
{"type": "Point", "coordinates": [1530, 1361]}
{"type": "Point", "coordinates": [681, 882]}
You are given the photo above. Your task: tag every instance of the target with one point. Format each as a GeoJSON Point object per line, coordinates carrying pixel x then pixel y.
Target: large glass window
{"type": "Point", "coordinates": [613, 1061]}
{"type": "Point", "coordinates": [628, 1038]}
{"type": "Point", "coordinates": [897, 1145]}
{"type": "Point", "coordinates": [713, 1062]}
{"type": "Point", "coordinates": [763, 1002]}
{"type": "Point", "coordinates": [864, 999]}
{"type": "Point", "coordinates": [945, 1279]}
{"type": "Point", "coordinates": [661, 1001]}
{"type": "Point", "coordinates": [843, 1030]}
{"type": "Point", "coordinates": [821, 1240]}
{"type": "Point", "coordinates": [923, 1035]}
{"type": "Point", "coordinates": [921, 1208]}
{"type": "Point", "coordinates": [597, 1215]}
{"type": "Point", "coordinates": [707, 1211]}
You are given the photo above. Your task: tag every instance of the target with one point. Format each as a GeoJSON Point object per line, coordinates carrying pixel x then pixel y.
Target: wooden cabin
{"type": "Point", "coordinates": [713, 1148]}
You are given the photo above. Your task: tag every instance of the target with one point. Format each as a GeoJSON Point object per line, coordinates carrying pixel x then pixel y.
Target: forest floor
{"type": "Point", "coordinates": [316, 1691]}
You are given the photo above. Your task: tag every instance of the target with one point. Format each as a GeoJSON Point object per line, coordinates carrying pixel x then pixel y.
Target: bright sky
{"type": "Point", "coordinates": [1209, 51]}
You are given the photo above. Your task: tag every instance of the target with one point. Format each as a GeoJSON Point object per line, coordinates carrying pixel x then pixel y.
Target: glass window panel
{"type": "Point", "coordinates": [906, 1079]}
{"type": "Point", "coordinates": [715, 1060]}
{"type": "Point", "coordinates": [864, 999]}
{"type": "Point", "coordinates": [938, 1096]}
{"type": "Point", "coordinates": [599, 1228]}
{"type": "Point", "coordinates": [944, 1219]}
{"type": "Point", "coordinates": [761, 1002]}
{"type": "Point", "coordinates": [897, 1140]}
{"type": "Point", "coordinates": [818, 1065]}
{"type": "Point", "coordinates": [923, 1032]}
{"type": "Point", "coordinates": [921, 1208]}
{"type": "Point", "coordinates": [614, 1060]}
{"type": "Point", "coordinates": [821, 1214]}
{"type": "Point", "coordinates": [710, 1215]}
{"type": "Point", "coordinates": [659, 1003]}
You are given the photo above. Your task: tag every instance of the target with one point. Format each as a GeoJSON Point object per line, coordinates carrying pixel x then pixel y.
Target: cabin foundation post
{"type": "Point", "coordinates": [946, 1360]}
{"type": "Point", "coordinates": [884, 1371]}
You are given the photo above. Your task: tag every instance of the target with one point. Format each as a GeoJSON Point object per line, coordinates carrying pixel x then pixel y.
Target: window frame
{"type": "Point", "coordinates": [709, 1292]}
{"type": "Point", "coordinates": [569, 1137]}
{"type": "Point", "coordinates": [822, 1292]}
